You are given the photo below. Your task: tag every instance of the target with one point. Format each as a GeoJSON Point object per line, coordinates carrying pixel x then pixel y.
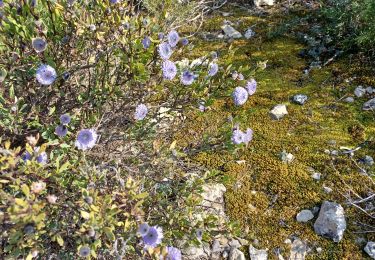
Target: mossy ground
{"type": "Point", "coordinates": [264, 193]}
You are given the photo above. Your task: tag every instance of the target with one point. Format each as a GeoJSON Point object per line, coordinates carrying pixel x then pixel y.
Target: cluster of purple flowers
{"type": "Point", "coordinates": [61, 130]}
{"type": "Point", "coordinates": [151, 236]}
{"type": "Point", "coordinates": [39, 157]}
{"type": "Point", "coordinates": [241, 94]}
{"type": "Point", "coordinates": [239, 137]}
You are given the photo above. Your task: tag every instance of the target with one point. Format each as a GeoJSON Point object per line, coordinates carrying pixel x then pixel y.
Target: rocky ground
{"type": "Point", "coordinates": [303, 188]}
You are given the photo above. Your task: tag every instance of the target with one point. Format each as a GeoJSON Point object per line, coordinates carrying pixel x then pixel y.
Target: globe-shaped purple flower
{"type": "Point", "coordinates": [248, 136]}
{"type": "Point", "coordinates": [169, 69]}
{"type": "Point", "coordinates": [146, 42]}
{"type": "Point", "coordinates": [61, 130]}
{"type": "Point", "coordinates": [173, 253]}
{"type": "Point", "coordinates": [42, 157]}
{"type": "Point", "coordinates": [173, 38]}
{"type": "Point", "coordinates": [45, 74]}
{"type": "Point", "coordinates": [240, 96]}
{"type": "Point", "coordinates": [140, 112]}
{"type": "Point", "coordinates": [251, 86]}
{"type": "Point", "coordinates": [143, 229]}
{"type": "Point", "coordinates": [238, 137]}
{"type": "Point", "coordinates": [187, 77]}
{"type": "Point", "coordinates": [213, 68]}
{"type": "Point", "coordinates": [39, 44]}
{"type": "Point", "coordinates": [153, 236]}
{"type": "Point", "coordinates": [165, 50]}
{"type": "Point", "coordinates": [65, 119]}
{"type": "Point", "coordinates": [184, 41]}
{"type": "Point", "coordinates": [84, 251]}
{"type": "Point", "coordinates": [86, 139]}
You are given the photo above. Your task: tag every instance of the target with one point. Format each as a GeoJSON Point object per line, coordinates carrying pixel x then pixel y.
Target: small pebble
{"type": "Point", "coordinates": [349, 100]}
{"type": "Point", "coordinates": [305, 215]}
{"type": "Point", "coordinates": [327, 189]}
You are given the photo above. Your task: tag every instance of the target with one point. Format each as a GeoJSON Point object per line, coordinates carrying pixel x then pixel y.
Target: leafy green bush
{"type": "Point", "coordinates": [350, 23]}
{"type": "Point", "coordinates": [100, 62]}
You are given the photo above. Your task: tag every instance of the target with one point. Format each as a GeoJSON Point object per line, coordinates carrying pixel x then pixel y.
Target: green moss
{"type": "Point", "coordinates": [266, 194]}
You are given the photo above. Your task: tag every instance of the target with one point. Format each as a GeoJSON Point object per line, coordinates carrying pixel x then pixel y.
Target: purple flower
{"type": "Point", "coordinates": [173, 38]}
{"type": "Point", "coordinates": [39, 157]}
{"type": "Point", "coordinates": [213, 68]}
{"type": "Point", "coordinates": [160, 36]}
{"type": "Point", "coordinates": [202, 108]}
{"type": "Point", "coordinates": [169, 69]}
{"type": "Point", "coordinates": [240, 96]}
{"type": "Point", "coordinates": [173, 253]}
{"type": "Point", "coordinates": [184, 41]}
{"type": "Point", "coordinates": [187, 77]}
{"type": "Point", "coordinates": [114, 1]}
{"type": "Point", "coordinates": [251, 86]}
{"type": "Point", "coordinates": [84, 251]}
{"type": "Point", "coordinates": [165, 50]}
{"type": "Point", "coordinates": [140, 112]}
{"type": "Point", "coordinates": [143, 229]}
{"type": "Point", "coordinates": [65, 119]}
{"type": "Point", "coordinates": [42, 158]}
{"type": "Point", "coordinates": [61, 130]}
{"type": "Point", "coordinates": [248, 136]}
{"type": "Point", "coordinates": [39, 44]}
{"type": "Point", "coordinates": [45, 74]}
{"type": "Point", "coordinates": [153, 236]}
{"type": "Point", "coordinates": [146, 42]}
{"type": "Point", "coordinates": [86, 139]}
{"type": "Point", "coordinates": [238, 137]}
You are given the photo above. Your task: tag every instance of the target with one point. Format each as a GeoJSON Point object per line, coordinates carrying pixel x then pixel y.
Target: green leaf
{"type": "Point", "coordinates": [109, 233]}
{"type": "Point", "coordinates": [26, 190]}
{"type": "Point", "coordinates": [59, 240]}
{"type": "Point", "coordinates": [85, 214]}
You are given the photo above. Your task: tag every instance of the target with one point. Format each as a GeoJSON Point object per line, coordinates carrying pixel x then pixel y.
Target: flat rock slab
{"type": "Point", "coordinates": [256, 254]}
{"type": "Point", "coordinates": [369, 105]}
{"type": "Point", "coordinates": [230, 32]}
{"type": "Point", "coordinates": [331, 221]}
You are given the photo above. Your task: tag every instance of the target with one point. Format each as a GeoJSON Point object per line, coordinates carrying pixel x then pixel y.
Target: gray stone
{"type": "Point", "coordinates": [195, 252]}
{"type": "Point", "coordinates": [256, 254]}
{"type": "Point", "coordinates": [234, 243]}
{"type": "Point", "coordinates": [327, 189]}
{"type": "Point", "coordinates": [236, 254]}
{"type": "Point", "coordinates": [300, 99]}
{"type": "Point", "coordinates": [331, 221]}
{"type": "Point", "coordinates": [213, 198]}
{"type": "Point", "coordinates": [259, 3]}
{"type": "Point", "coordinates": [359, 91]}
{"type": "Point", "coordinates": [278, 112]}
{"type": "Point", "coordinates": [249, 33]}
{"type": "Point", "coordinates": [370, 249]}
{"type": "Point", "coordinates": [370, 90]}
{"type": "Point", "coordinates": [216, 246]}
{"type": "Point", "coordinates": [230, 32]}
{"type": "Point", "coordinates": [298, 250]}
{"type": "Point", "coordinates": [286, 157]}
{"type": "Point", "coordinates": [369, 105]}
{"type": "Point", "coordinates": [305, 215]}
{"type": "Point", "coordinates": [349, 100]}
{"type": "Point", "coordinates": [368, 160]}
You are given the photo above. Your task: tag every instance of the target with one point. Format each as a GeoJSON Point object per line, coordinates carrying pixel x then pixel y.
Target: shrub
{"type": "Point", "coordinates": [96, 61]}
